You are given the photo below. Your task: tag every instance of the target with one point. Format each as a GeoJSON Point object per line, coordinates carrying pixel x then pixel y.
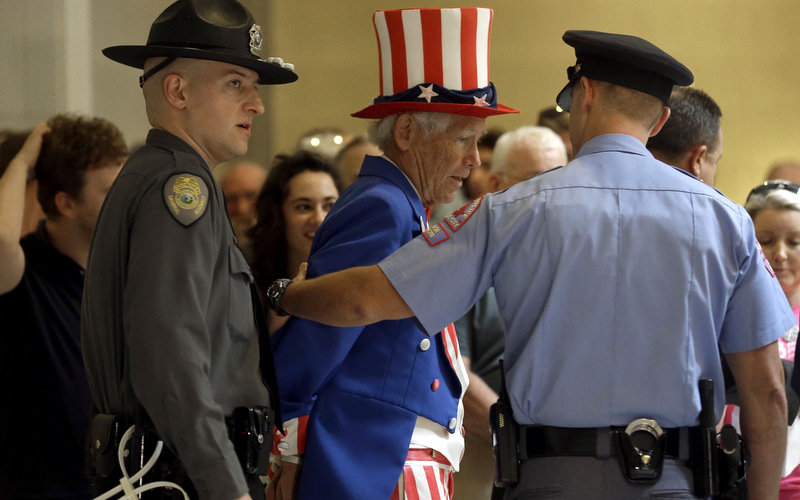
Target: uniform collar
{"type": "Point", "coordinates": [383, 167]}
{"type": "Point", "coordinates": [614, 143]}
{"type": "Point", "coordinates": [163, 139]}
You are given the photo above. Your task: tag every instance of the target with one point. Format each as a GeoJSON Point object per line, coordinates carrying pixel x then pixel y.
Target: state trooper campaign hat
{"type": "Point", "coordinates": [434, 60]}
{"type": "Point", "coordinates": [624, 60]}
{"type": "Point", "coordinates": [216, 30]}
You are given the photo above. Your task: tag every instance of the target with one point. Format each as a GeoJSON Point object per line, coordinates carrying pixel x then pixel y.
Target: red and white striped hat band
{"type": "Point", "coordinates": [442, 53]}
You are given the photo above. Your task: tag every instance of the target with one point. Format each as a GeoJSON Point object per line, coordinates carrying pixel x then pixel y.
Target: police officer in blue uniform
{"type": "Point", "coordinates": [168, 324]}
{"type": "Point", "coordinates": [617, 278]}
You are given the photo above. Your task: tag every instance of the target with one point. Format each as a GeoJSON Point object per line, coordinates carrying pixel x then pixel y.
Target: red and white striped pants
{"type": "Point", "coordinates": [427, 475]}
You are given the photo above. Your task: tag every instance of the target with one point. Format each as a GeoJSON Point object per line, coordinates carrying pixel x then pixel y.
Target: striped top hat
{"type": "Point", "coordinates": [434, 60]}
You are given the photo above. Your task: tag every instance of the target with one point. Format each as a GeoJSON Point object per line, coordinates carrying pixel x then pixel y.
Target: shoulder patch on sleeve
{"type": "Point", "coordinates": [436, 234]}
{"type": "Point", "coordinates": [186, 197]}
{"type": "Point", "coordinates": [439, 233]}
{"type": "Point", "coordinates": [462, 215]}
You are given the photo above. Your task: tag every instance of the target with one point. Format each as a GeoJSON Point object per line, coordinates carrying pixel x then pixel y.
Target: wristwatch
{"type": "Point", "coordinates": [275, 294]}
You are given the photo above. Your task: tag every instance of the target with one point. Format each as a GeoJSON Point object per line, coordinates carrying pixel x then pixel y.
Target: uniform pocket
{"type": "Point", "coordinates": [240, 302]}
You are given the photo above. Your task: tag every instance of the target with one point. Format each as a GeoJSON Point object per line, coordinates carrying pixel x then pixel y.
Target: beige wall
{"type": "Point", "coordinates": [740, 51]}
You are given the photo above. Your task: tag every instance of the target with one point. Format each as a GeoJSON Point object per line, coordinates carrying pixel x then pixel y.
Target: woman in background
{"type": "Point", "coordinates": [775, 209]}
{"type": "Point", "coordinates": [299, 191]}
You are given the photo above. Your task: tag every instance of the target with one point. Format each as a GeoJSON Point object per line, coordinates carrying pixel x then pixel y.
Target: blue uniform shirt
{"type": "Point", "coordinates": [616, 277]}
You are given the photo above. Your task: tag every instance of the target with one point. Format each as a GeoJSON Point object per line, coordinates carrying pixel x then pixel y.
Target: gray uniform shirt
{"type": "Point", "coordinates": [167, 316]}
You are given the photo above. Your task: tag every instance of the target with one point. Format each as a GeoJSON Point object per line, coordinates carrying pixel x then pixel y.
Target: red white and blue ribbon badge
{"type": "Point", "coordinates": [439, 233]}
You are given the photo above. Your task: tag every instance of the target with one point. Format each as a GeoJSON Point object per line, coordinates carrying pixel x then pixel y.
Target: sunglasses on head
{"type": "Point", "coordinates": [772, 186]}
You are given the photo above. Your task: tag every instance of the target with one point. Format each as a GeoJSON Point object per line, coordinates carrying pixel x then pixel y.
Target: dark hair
{"type": "Point", "coordinates": [268, 235]}
{"type": "Point", "coordinates": [489, 139]}
{"type": "Point", "coordinates": [74, 145]}
{"type": "Point", "coordinates": [694, 119]}
{"type": "Point", "coordinates": [554, 119]}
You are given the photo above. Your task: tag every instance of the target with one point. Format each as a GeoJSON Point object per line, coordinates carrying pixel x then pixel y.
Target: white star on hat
{"type": "Point", "coordinates": [426, 93]}
{"type": "Point", "coordinates": [481, 101]}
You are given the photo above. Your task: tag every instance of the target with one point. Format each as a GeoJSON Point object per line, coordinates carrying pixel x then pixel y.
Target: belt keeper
{"type": "Point", "coordinates": [683, 439]}
{"type": "Point", "coordinates": [603, 442]}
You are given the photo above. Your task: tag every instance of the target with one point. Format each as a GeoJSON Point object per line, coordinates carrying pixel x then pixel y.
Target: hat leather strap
{"type": "Point", "coordinates": [155, 69]}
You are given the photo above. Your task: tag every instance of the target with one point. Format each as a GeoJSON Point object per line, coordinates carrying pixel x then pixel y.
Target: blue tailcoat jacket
{"type": "Point", "coordinates": [362, 387]}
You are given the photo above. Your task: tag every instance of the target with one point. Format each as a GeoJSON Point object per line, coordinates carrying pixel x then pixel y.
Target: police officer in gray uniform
{"type": "Point", "coordinates": [169, 321]}
{"type": "Point", "coordinates": [619, 279]}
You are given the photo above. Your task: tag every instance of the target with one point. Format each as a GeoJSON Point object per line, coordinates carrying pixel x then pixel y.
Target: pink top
{"type": "Point", "coordinates": [790, 485]}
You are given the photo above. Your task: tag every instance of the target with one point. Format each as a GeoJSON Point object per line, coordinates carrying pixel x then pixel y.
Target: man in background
{"type": "Point", "coordinates": [557, 120]}
{"type": "Point", "coordinates": [692, 137]}
{"type": "Point", "coordinates": [349, 159]}
{"type": "Point", "coordinates": [241, 181]}
{"type": "Point", "coordinates": [46, 403]}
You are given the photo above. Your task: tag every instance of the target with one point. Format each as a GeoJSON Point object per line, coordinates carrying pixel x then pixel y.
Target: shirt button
{"type": "Point", "coordinates": [452, 424]}
{"type": "Point", "coordinates": [435, 385]}
{"type": "Point", "coordinates": [425, 344]}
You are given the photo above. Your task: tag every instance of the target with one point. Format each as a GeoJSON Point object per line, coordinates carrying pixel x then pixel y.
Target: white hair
{"type": "Point", "coordinates": [775, 199]}
{"type": "Point", "coordinates": [380, 131]}
{"type": "Point", "coordinates": [540, 138]}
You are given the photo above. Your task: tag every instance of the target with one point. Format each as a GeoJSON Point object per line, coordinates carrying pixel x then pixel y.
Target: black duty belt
{"type": "Point", "coordinates": [540, 441]}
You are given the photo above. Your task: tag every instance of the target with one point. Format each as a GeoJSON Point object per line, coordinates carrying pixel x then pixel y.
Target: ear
{"type": "Point", "coordinates": [174, 87]}
{"type": "Point", "coordinates": [696, 154]}
{"type": "Point", "coordinates": [404, 128]}
{"type": "Point", "coordinates": [589, 93]}
{"type": "Point", "coordinates": [65, 204]}
{"type": "Point", "coordinates": [665, 112]}
{"type": "Point", "coordinates": [493, 182]}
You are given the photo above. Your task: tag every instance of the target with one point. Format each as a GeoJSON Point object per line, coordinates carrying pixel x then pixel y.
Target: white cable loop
{"type": "Point", "coordinates": [126, 487]}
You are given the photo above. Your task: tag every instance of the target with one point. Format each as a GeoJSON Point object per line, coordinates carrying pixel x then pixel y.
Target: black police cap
{"type": "Point", "coordinates": [624, 60]}
{"type": "Point", "coordinates": [216, 30]}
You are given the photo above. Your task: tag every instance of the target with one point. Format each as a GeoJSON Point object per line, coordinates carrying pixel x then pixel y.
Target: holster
{"type": "Point", "coordinates": [505, 437]}
{"type": "Point", "coordinates": [732, 460]}
{"type": "Point", "coordinates": [105, 433]}
{"type": "Point", "coordinates": [250, 430]}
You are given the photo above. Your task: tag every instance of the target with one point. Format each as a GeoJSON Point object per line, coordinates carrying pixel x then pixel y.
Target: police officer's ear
{"type": "Point", "coordinates": [584, 93]}
{"type": "Point", "coordinates": [174, 87]}
{"type": "Point", "coordinates": [405, 131]}
{"type": "Point", "coordinates": [665, 111]}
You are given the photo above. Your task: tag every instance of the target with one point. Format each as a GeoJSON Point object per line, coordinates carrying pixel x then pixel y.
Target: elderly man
{"type": "Point", "coordinates": [615, 307]}
{"type": "Point", "coordinates": [371, 406]}
{"type": "Point", "coordinates": [169, 332]}
{"type": "Point", "coordinates": [692, 137]}
{"type": "Point", "coordinates": [518, 155]}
